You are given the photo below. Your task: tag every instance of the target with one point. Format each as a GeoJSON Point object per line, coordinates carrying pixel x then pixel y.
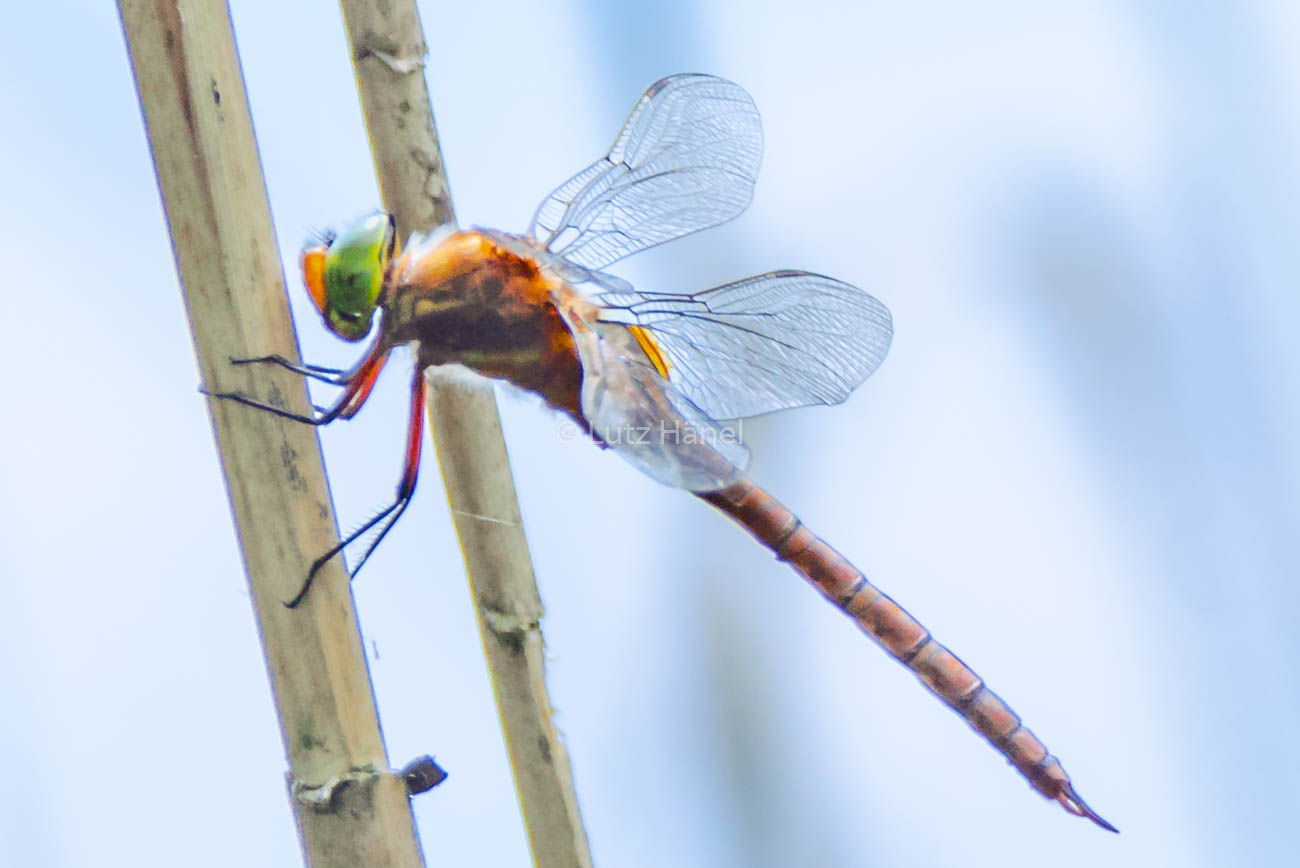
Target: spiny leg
{"type": "Point", "coordinates": [326, 415]}
{"type": "Point", "coordinates": [357, 385]}
{"type": "Point", "coordinates": [333, 376]}
{"type": "Point", "coordinates": [388, 516]}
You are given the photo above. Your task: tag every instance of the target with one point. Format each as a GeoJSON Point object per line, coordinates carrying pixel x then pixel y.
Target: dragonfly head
{"type": "Point", "coordinates": [345, 273]}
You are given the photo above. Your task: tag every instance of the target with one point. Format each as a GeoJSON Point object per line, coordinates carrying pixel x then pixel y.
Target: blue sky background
{"type": "Point", "coordinates": [1078, 465]}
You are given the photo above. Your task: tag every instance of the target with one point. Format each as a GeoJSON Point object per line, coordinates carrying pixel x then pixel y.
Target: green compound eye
{"type": "Point", "coordinates": [353, 275]}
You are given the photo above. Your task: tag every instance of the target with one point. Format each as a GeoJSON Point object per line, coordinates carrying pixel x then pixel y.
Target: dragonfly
{"type": "Point", "coordinates": [656, 377]}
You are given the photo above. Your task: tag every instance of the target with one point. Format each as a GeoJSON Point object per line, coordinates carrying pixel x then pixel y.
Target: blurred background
{"type": "Point", "coordinates": [1077, 465]}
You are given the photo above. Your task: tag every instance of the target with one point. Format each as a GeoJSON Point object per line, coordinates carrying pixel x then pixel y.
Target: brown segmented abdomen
{"type": "Point", "coordinates": [889, 624]}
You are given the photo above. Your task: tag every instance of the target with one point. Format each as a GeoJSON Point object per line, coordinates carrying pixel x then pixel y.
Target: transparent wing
{"type": "Point", "coordinates": [636, 412]}
{"type": "Point", "coordinates": [778, 340]}
{"type": "Point", "coordinates": [686, 159]}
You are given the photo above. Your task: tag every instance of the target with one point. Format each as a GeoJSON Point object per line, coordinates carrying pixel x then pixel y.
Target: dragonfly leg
{"type": "Point", "coordinates": [357, 385]}
{"type": "Point", "coordinates": [366, 374]}
{"type": "Point", "coordinates": [324, 416]}
{"type": "Point", "coordinates": [388, 516]}
{"type": "Point", "coordinates": [333, 376]}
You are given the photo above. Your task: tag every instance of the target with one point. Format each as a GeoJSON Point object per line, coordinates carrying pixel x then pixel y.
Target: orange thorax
{"type": "Point", "coordinates": [466, 300]}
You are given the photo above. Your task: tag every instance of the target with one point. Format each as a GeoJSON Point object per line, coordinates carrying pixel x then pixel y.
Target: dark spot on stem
{"type": "Point", "coordinates": [512, 641]}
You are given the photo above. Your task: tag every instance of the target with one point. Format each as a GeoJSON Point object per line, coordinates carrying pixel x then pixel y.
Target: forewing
{"type": "Point", "coordinates": [686, 159]}
{"type": "Point", "coordinates": [778, 340]}
{"type": "Point", "coordinates": [636, 412]}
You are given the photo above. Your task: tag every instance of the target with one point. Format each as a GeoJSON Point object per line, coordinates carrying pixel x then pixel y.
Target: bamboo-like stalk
{"type": "Point", "coordinates": [350, 809]}
{"type": "Point", "coordinates": [388, 52]}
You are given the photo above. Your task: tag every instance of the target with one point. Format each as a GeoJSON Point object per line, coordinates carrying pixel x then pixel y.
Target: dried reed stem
{"type": "Point", "coordinates": [388, 51]}
{"type": "Point", "coordinates": [350, 809]}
